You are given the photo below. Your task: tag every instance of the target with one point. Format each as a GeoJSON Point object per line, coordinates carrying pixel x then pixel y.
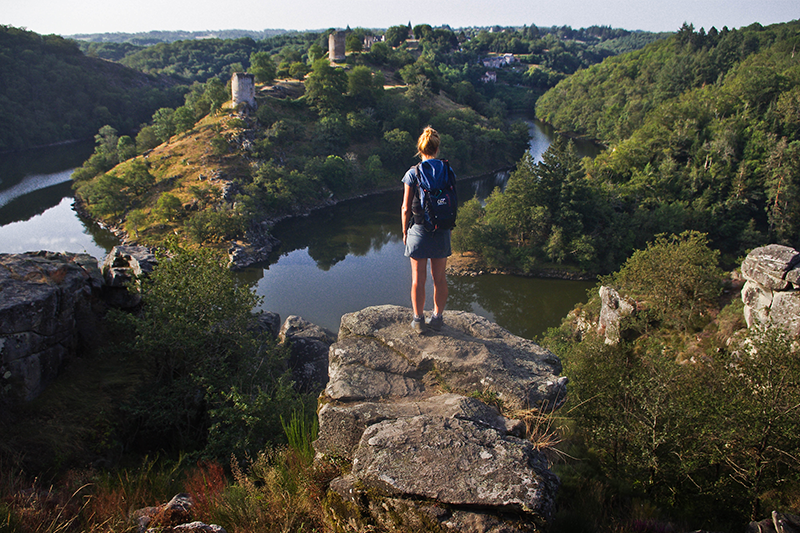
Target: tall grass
{"type": "Point", "coordinates": [84, 500]}
{"type": "Point", "coordinates": [300, 432]}
{"type": "Point", "coordinates": [279, 491]}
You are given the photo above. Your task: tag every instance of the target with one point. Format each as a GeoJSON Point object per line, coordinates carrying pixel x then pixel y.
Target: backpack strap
{"type": "Point", "coordinates": [417, 215]}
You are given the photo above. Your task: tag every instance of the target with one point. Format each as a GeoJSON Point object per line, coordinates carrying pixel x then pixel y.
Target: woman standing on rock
{"type": "Point", "coordinates": [421, 244]}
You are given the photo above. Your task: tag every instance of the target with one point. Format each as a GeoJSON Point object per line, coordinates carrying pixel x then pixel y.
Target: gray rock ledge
{"type": "Point", "coordinates": [424, 452]}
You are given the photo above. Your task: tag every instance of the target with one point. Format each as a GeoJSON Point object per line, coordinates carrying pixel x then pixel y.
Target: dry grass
{"type": "Point", "coordinates": [277, 492]}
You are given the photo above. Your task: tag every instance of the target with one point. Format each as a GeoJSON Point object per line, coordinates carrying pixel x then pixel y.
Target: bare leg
{"type": "Point", "coordinates": [419, 268]}
{"type": "Point", "coordinates": [438, 267]}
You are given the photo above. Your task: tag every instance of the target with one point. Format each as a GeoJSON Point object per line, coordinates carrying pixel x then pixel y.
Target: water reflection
{"type": "Point", "coordinates": [57, 229]}
{"type": "Point", "coordinates": [36, 203]}
{"type": "Point", "coordinates": [356, 228]}
{"type": "Point", "coordinates": [524, 306]}
{"type": "Point", "coordinates": [335, 261]}
{"type": "Point", "coordinates": [16, 166]}
{"type": "Point", "coordinates": [350, 256]}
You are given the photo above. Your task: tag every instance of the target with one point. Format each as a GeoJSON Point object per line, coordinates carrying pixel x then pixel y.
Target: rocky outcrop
{"type": "Point", "coordinates": [174, 516]}
{"type": "Point", "coordinates": [123, 265]}
{"type": "Point", "coordinates": [777, 523]}
{"type": "Point", "coordinates": [425, 453]}
{"type": "Point", "coordinates": [308, 353]}
{"type": "Point", "coordinates": [771, 293]}
{"type": "Point", "coordinates": [267, 322]}
{"type": "Point", "coordinates": [256, 247]}
{"type": "Point", "coordinates": [613, 308]}
{"type": "Point", "coordinates": [48, 310]}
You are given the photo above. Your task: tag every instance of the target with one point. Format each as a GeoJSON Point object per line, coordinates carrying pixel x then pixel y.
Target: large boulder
{"type": "Point", "coordinates": [771, 293]}
{"type": "Point", "coordinates": [613, 308]}
{"type": "Point", "coordinates": [308, 353]}
{"type": "Point", "coordinates": [777, 523]}
{"type": "Point", "coordinates": [768, 265]}
{"type": "Point", "coordinates": [122, 266]}
{"type": "Point", "coordinates": [49, 309]}
{"type": "Point", "coordinates": [425, 453]}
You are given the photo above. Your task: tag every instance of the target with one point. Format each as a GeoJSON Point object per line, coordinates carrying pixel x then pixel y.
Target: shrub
{"type": "Point", "coordinates": [210, 381]}
{"type": "Point", "coordinates": [676, 276]}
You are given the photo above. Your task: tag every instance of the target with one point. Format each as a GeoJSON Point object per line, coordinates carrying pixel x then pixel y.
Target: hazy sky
{"type": "Point", "coordinates": [67, 17]}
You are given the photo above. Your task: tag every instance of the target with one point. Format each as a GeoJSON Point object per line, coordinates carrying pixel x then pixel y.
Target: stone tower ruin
{"type": "Point", "coordinates": [243, 89]}
{"type": "Point", "coordinates": [336, 48]}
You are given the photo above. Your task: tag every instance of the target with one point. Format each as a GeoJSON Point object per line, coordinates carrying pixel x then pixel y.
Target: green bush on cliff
{"type": "Point", "coordinates": [679, 417]}
{"type": "Point", "coordinates": [211, 383]}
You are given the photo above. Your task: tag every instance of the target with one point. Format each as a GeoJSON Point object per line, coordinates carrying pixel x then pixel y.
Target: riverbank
{"type": "Point", "coordinates": [469, 264]}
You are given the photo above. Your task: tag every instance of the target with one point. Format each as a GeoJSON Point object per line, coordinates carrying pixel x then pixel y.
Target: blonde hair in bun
{"type": "Point", "coordinates": [428, 142]}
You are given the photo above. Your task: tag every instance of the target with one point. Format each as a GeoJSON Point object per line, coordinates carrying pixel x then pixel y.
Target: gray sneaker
{"type": "Point", "coordinates": [436, 322]}
{"type": "Point", "coordinates": [418, 326]}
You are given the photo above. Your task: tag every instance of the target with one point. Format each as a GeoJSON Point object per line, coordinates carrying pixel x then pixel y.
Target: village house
{"type": "Point", "coordinates": [499, 61]}
{"type": "Point", "coordinates": [489, 77]}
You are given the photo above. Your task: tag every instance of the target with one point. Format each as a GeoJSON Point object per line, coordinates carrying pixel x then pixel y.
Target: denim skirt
{"type": "Point", "coordinates": [422, 244]}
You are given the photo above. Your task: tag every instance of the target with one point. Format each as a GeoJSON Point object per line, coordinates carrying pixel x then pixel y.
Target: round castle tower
{"type": "Point", "coordinates": [243, 89]}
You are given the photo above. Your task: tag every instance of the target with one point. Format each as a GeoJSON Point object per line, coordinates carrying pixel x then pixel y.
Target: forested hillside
{"type": "Point", "coordinates": [147, 38]}
{"type": "Point", "coordinates": [51, 92]}
{"type": "Point", "coordinates": [703, 134]}
{"type": "Point", "coordinates": [334, 132]}
{"type": "Point", "coordinates": [447, 58]}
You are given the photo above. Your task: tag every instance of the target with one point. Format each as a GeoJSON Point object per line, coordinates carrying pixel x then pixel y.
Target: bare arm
{"type": "Point", "coordinates": [408, 198]}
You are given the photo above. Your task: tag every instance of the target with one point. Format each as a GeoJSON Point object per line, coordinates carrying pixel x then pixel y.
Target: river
{"type": "Point", "coordinates": [337, 260]}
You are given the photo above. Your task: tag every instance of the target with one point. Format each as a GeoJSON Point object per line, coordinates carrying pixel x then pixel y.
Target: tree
{"type": "Point", "coordinates": [315, 52]}
{"type": "Point", "coordinates": [373, 169]}
{"type": "Point", "coordinates": [353, 43]}
{"type": "Point", "coordinates": [126, 148]}
{"type": "Point", "coordinates": [677, 277]}
{"type": "Point", "coordinates": [396, 35]}
{"type": "Point", "coordinates": [397, 146]}
{"type": "Point", "coordinates": [363, 86]}
{"type": "Point", "coordinates": [298, 70]}
{"type": "Point", "coordinates": [146, 139]}
{"type": "Point", "coordinates": [783, 182]}
{"type": "Point", "coordinates": [422, 30]}
{"type": "Point", "coordinates": [183, 119]}
{"type": "Point", "coordinates": [752, 407]}
{"type": "Point", "coordinates": [325, 86]}
{"type": "Point", "coordinates": [106, 195]}
{"type": "Point", "coordinates": [466, 236]}
{"type": "Point", "coordinates": [137, 178]}
{"type": "Point", "coordinates": [168, 206]}
{"type": "Point", "coordinates": [163, 124]}
{"type": "Point", "coordinates": [206, 369]}
{"type": "Point", "coordinates": [262, 66]}
{"type": "Point", "coordinates": [379, 53]}
{"type": "Point", "coordinates": [106, 142]}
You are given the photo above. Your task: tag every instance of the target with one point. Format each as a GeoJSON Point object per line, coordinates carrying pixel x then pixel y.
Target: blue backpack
{"type": "Point", "coordinates": [437, 196]}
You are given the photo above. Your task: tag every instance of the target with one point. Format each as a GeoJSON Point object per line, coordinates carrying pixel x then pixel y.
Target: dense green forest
{"type": "Point", "coordinates": [51, 92]}
{"type": "Point", "coordinates": [702, 134]}
{"type": "Point", "coordinates": [333, 132]}
{"type": "Point", "coordinates": [147, 38]}
{"type": "Point", "coordinates": [55, 89]}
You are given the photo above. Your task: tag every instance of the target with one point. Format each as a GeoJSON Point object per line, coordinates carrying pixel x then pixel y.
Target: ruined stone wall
{"type": "Point", "coordinates": [336, 46]}
{"type": "Point", "coordinates": [243, 89]}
